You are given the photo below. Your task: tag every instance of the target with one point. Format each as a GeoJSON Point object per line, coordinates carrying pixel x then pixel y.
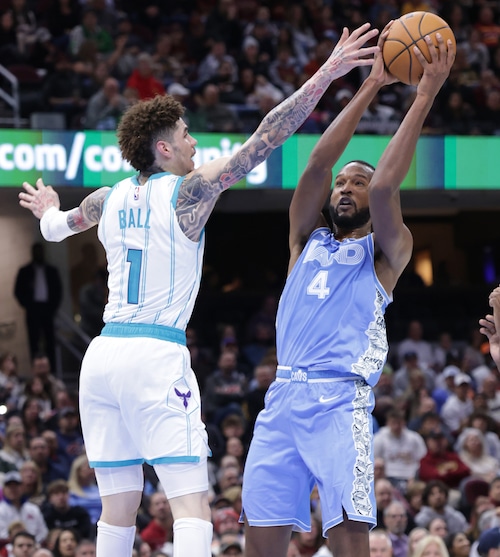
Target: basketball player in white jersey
{"type": "Point", "coordinates": [330, 333]}
{"type": "Point", "coordinates": [139, 399]}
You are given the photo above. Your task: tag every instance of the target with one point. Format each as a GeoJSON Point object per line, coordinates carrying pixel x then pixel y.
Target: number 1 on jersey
{"type": "Point", "coordinates": [134, 257]}
{"type": "Point", "coordinates": [317, 287]}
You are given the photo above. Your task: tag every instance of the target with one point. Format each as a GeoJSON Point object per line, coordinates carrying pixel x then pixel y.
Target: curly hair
{"type": "Point", "coordinates": [143, 124]}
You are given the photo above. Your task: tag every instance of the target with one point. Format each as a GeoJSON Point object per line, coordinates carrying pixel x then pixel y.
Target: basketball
{"type": "Point", "coordinates": [405, 33]}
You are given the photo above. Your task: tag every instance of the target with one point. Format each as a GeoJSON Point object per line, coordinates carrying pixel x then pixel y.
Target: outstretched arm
{"type": "Point", "coordinates": [315, 182]}
{"type": "Point", "coordinates": [55, 225]}
{"type": "Point", "coordinates": [392, 237]}
{"type": "Point", "coordinates": [490, 326]}
{"type": "Point", "coordinates": [201, 188]}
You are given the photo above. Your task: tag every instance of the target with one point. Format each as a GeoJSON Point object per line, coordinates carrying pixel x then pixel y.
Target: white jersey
{"type": "Point", "coordinates": [154, 269]}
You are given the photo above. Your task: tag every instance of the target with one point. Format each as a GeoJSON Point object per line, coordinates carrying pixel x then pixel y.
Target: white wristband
{"type": "Point", "coordinates": [54, 226]}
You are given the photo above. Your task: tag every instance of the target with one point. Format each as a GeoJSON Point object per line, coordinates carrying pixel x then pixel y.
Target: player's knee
{"type": "Point", "coordinates": [121, 509]}
{"type": "Point", "coordinates": [192, 505]}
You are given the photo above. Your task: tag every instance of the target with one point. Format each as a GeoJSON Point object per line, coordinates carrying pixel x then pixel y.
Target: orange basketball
{"type": "Point", "coordinates": [405, 33]}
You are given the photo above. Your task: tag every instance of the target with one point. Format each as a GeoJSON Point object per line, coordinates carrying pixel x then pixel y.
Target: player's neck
{"type": "Point", "coordinates": [355, 233]}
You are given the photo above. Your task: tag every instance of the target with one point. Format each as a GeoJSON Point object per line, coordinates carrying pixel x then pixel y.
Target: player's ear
{"type": "Point", "coordinates": [164, 148]}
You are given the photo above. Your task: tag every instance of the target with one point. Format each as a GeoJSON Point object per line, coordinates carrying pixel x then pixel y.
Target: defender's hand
{"type": "Point", "coordinates": [349, 52]}
{"type": "Point", "coordinates": [38, 199]}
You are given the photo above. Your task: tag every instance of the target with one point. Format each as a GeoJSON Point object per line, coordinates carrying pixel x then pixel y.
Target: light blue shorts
{"type": "Point", "coordinates": [140, 402]}
{"type": "Point", "coordinates": [314, 429]}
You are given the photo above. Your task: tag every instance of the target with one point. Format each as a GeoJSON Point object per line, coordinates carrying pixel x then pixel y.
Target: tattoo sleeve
{"type": "Point", "coordinates": [89, 212]}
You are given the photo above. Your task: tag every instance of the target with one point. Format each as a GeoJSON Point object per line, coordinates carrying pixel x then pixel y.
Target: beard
{"type": "Point", "coordinates": [350, 222]}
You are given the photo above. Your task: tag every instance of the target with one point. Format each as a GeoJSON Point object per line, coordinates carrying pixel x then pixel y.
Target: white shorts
{"type": "Point", "coordinates": [140, 402]}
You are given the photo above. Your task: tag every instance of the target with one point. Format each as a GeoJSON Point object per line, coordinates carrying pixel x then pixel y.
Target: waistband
{"type": "Point", "coordinates": [289, 374]}
{"type": "Point", "coordinates": [160, 332]}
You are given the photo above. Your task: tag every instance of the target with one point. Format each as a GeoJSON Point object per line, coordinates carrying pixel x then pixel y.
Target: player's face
{"type": "Point", "coordinates": [349, 200]}
{"type": "Point", "coordinates": [183, 145]}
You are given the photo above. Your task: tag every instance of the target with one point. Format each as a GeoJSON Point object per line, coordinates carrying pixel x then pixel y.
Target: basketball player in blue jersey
{"type": "Point", "coordinates": [331, 340]}
{"type": "Point", "coordinates": [139, 399]}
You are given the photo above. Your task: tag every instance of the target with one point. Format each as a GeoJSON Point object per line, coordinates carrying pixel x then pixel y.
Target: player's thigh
{"type": "Point", "coordinates": [186, 487]}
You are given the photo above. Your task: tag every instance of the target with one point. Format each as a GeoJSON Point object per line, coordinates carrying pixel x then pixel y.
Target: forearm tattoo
{"type": "Point", "coordinates": [89, 212]}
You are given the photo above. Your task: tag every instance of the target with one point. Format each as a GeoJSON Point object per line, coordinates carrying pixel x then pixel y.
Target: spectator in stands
{"type": "Point", "coordinates": [89, 29]}
{"type": "Point", "coordinates": [14, 449]}
{"type": "Point", "coordinates": [415, 535]}
{"type": "Point", "coordinates": [440, 463]}
{"type": "Point", "coordinates": [225, 387]}
{"type": "Point", "coordinates": [83, 488]}
{"type": "Point", "coordinates": [64, 91]}
{"type": "Point", "coordinates": [379, 119]}
{"type": "Point", "coordinates": [31, 416]}
{"type": "Point", "coordinates": [58, 513]}
{"type": "Point", "coordinates": [251, 57]}
{"type": "Point", "coordinates": [380, 543]}
{"type": "Point", "coordinates": [385, 494]}
{"type": "Point", "coordinates": [472, 450]}
{"type": "Point", "coordinates": [65, 545]}
{"type": "Point", "coordinates": [488, 427]}
{"type": "Point", "coordinates": [459, 545]}
{"type": "Point", "coordinates": [9, 53]}
{"type": "Point", "coordinates": [52, 467]}
{"type": "Point", "coordinates": [36, 390]}
{"type": "Point", "coordinates": [160, 528]}
{"type": "Point", "coordinates": [143, 78]}
{"type": "Point", "coordinates": [105, 107]}
{"type": "Point", "coordinates": [168, 66]}
{"type": "Point", "coordinates": [11, 385]}
{"type": "Point", "coordinates": [415, 342]}
{"type": "Point", "coordinates": [68, 431]}
{"type": "Point", "coordinates": [410, 362]}
{"type": "Point", "coordinates": [32, 485]}
{"type": "Point", "coordinates": [395, 523]}
{"type": "Point", "coordinates": [302, 35]}
{"type": "Point", "coordinates": [86, 548]}
{"type": "Point", "coordinates": [438, 527]}
{"type": "Point", "coordinates": [435, 505]}
{"type": "Point", "coordinates": [489, 29]}
{"type": "Point", "coordinates": [211, 115]}
{"type": "Point", "coordinates": [230, 91]}
{"type": "Point", "coordinates": [23, 544]}
{"type": "Point", "coordinates": [413, 495]}
{"type": "Point", "coordinates": [208, 67]}
{"type": "Point", "coordinates": [263, 376]}
{"type": "Point", "coordinates": [401, 449]}
{"type": "Point", "coordinates": [14, 507]}
{"type": "Point", "coordinates": [458, 406]}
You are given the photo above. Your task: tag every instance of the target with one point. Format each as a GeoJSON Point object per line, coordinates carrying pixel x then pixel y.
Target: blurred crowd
{"type": "Point", "coordinates": [229, 62]}
{"type": "Point", "coordinates": [436, 447]}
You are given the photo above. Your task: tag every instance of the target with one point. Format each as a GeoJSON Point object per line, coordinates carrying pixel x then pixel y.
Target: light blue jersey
{"type": "Point", "coordinates": [344, 332]}
{"type": "Point", "coordinates": [154, 269]}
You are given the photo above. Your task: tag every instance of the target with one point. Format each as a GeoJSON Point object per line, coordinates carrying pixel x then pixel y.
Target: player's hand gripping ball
{"type": "Point", "coordinates": [405, 33]}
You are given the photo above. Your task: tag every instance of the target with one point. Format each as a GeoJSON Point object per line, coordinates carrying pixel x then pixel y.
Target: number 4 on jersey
{"type": "Point", "coordinates": [317, 287]}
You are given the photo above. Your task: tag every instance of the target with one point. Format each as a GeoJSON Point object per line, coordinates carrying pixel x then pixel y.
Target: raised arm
{"type": "Point", "coordinates": [201, 189]}
{"type": "Point", "coordinates": [490, 326]}
{"type": "Point", "coordinates": [392, 237]}
{"type": "Point", "coordinates": [56, 225]}
{"type": "Point", "coordinates": [315, 182]}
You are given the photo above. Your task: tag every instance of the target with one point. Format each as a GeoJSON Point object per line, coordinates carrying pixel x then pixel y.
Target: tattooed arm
{"type": "Point", "coordinates": [43, 202]}
{"type": "Point", "coordinates": [201, 188]}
